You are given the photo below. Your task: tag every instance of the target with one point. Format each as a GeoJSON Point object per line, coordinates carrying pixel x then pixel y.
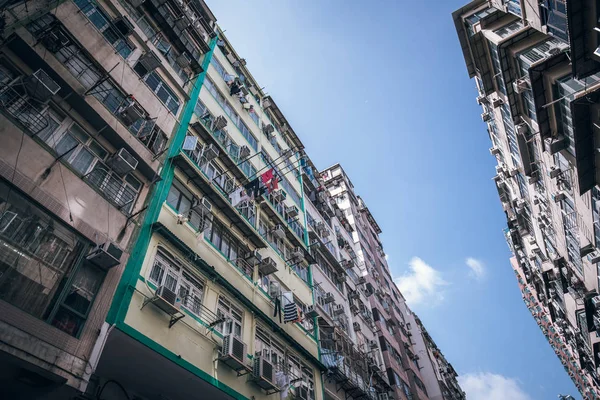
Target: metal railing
{"type": "Point", "coordinates": [18, 106]}
{"type": "Point", "coordinates": [112, 187]}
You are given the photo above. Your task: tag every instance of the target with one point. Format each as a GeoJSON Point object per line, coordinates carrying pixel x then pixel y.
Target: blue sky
{"type": "Point", "coordinates": [381, 88]}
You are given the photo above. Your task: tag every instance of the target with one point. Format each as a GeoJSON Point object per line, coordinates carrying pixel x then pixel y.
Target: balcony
{"type": "Point", "coordinates": [15, 102]}
{"type": "Point", "coordinates": [112, 187]}
{"type": "Point", "coordinates": [229, 151]}
{"type": "Point", "coordinates": [189, 163]}
{"type": "Point", "coordinates": [347, 366]}
{"type": "Point", "coordinates": [185, 26]}
{"type": "Point", "coordinates": [89, 80]}
{"type": "Point", "coordinates": [275, 209]}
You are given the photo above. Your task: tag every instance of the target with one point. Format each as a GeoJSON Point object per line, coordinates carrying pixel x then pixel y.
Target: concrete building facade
{"type": "Point", "coordinates": [536, 69]}
{"type": "Point", "coordinates": [164, 233]}
{"type": "Point", "coordinates": [88, 103]}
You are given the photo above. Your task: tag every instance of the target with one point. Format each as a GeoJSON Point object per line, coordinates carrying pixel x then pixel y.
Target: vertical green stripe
{"type": "Point", "coordinates": [157, 197]}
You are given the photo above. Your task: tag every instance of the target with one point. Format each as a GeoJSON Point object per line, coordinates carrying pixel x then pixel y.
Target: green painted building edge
{"type": "Point", "coordinates": [152, 345]}
{"type": "Point", "coordinates": [123, 293]}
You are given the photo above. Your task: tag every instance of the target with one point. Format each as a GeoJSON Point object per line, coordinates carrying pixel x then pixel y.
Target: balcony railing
{"type": "Point", "coordinates": [114, 189]}
{"type": "Point", "coordinates": [246, 209]}
{"type": "Point", "coordinates": [96, 81]}
{"type": "Point", "coordinates": [16, 104]}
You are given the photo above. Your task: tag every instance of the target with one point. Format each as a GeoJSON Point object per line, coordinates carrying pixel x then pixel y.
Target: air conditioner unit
{"type": "Point", "coordinates": [486, 116]}
{"type": "Point", "coordinates": [291, 211]}
{"type": "Point", "coordinates": [266, 103]}
{"type": "Point", "coordinates": [311, 311]}
{"type": "Point", "coordinates": [244, 152]}
{"type": "Point", "coordinates": [338, 309]}
{"type": "Point", "coordinates": [278, 195]}
{"type": "Point", "coordinates": [263, 373]}
{"type": "Point", "coordinates": [253, 257]}
{"type": "Point", "coordinates": [521, 85]}
{"type": "Point", "coordinates": [233, 352]}
{"type": "Point", "coordinates": [361, 280]}
{"type": "Point", "coordinates": [558, 197]}
{"type": "Point", "coordinates": [267, 266]}
{"type": "Point", "coordinates": [131, 112]}
{"type": "Point", "coordinates": [340, 278]}
{"type": "Point", "coordinates": [298, 254]}
{"type": "Point", "coordinates": [274, 289]}
{"type": "Point", "coordinates": [279, 232]}
{"type": "Point", "coordinates": [210, 152]}
{"type": "Point", "coordinates": [122, 162]}
{"type": "Point", "coordinates": [182, 22]}
{"type": "Point", "coordinates": [150, 61]}
{"type": "Point", "coordinates": [522, 129]}
{"type": "Point", "coordinates": [40, 86]}
{"type": "Point", "coordinates": [219, 123]}
{"type": "Point", "coordinates": [123, 25]}
{"type": "Point", "coordinates": [268, 129]}
{"type": "Point", "coordinates": [497, 103]}
{"type": "Point", "coordinates": [328, 298]}
{"type": "Point", "coordinates": [373, 344]}
{"type": "Point", "coordinates": [301, 391]}
{"type": "Point", "coordinates": [595, 302]}
{"type": "Point", "coordinates": [183, 60]}
{"type": "Point", "coordinates": [105, 256]}
{"type": "Point", "coordinates": [356, 326]}
{"type": "Point", "coordinates": [481, 99]}
{"type": "Point", "coordinates": [167, 300]}
{"type": "Point", "coordinates": [494, 151]}
{"type": "Point", "coordinates": [55, 40]}
{"type": "Point", "coordinates": [554, 172]}
{"type": "Point", "coordinates": [383, 396]}
{"type": "Point", "coordinates": [206, 204]}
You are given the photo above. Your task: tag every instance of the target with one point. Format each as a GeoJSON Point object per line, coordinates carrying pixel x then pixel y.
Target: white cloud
{"type": "Point", "coordinates": [488, 386]}
{"type": "Point", "coordinates": [422, 284]}
{"type": "Point", "coordinates": [477, 268]}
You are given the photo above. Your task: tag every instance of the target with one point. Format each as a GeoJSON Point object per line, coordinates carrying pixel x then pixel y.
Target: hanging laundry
{"type": "Point", "coordinates": [272, 185]}
{"type": "Point", "coordinates": [282, 380]}
{"type": "Point", "coordinates": [290, 313]}
{"type": "Point", "coordinates": [267, 176]}
{"type": "Point", "coordinates": [237, 195]}
{"type": "Point", "coordinates": [253, 188]}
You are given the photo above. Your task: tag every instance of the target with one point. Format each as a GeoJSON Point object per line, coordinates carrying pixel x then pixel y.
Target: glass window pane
{"type": "Point", "coordinates": [66, 143]}
{"type": "Point", "coordinates": [84, 288]}
{"type": "Point", "coordinates": [83, 161]}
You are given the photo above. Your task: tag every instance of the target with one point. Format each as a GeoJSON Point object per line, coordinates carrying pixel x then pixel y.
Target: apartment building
{"type": "Point", "coordinates": [395, 325]}
{"type": "Point", "coordinates": [536, 69]}
{"type": "Point", "coordinates": [89, 99]}
{"type": "Point", "coordinates": [439, 376]}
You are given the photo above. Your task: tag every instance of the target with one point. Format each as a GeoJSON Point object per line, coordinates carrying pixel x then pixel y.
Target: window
{"type": "Point", "coordinates": [86, 156]}
{"type": "Point", "coordinates": [229, 245]}
{"type": "Point", "coordinates": [103, 23]}
{"type": "Point", "coordinates": [107, 92]}
{"type": "Point", "coordinates": [159, 87]}
{"type": "Point", "coordinates": [497, 67]}
{"type": "Point", "coordinates": [39, 256]}
{"type": "Point", "coordinates": [233, 318]}
{"type": "Point", "coordinates": [77, 302]}
{"type": "Point", "coordinates": [234, 116]}
{"type": "Point", "coordinates": [218, 66]}
{"type": "Point", "coordinates": [72, 143]}
{"type": "Point", "coordinates": [169, 272]}
{"type": "Point", "coordinates": [284, 360]}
